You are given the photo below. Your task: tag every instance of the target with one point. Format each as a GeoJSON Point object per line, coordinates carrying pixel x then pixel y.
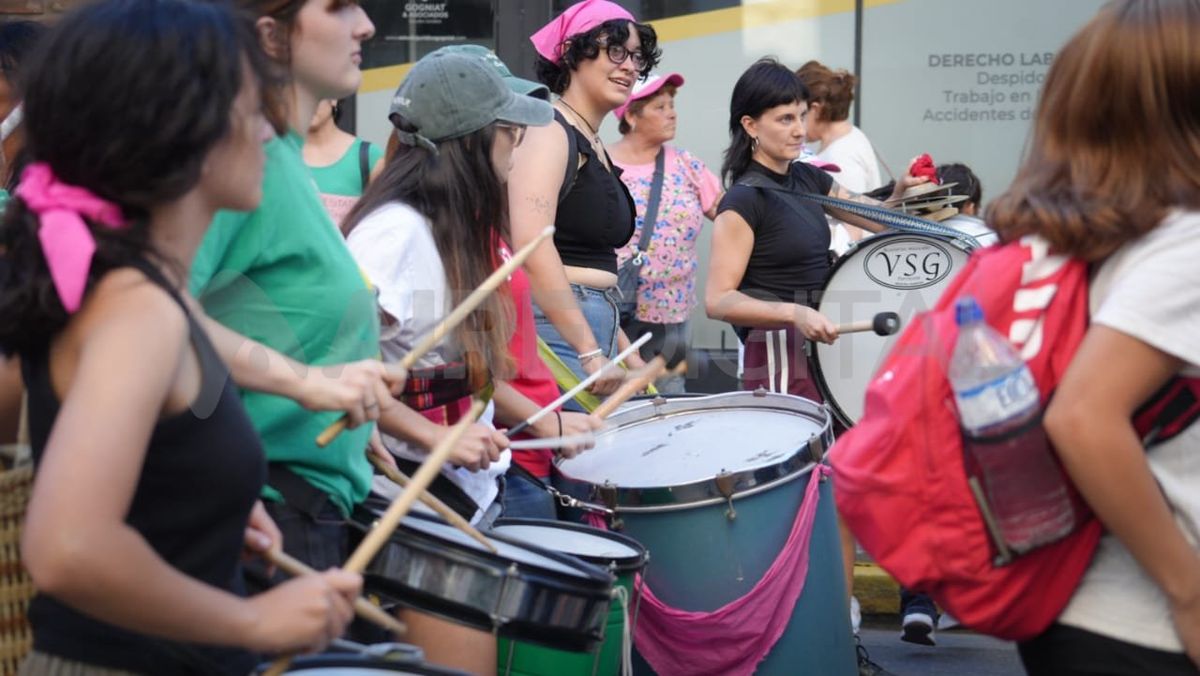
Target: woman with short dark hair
{"type": "Point", "coordinates": [590, 56]}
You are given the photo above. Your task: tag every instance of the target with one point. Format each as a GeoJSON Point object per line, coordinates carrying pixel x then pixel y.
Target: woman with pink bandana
{"type": "Point", "coordinates": [590, 56]}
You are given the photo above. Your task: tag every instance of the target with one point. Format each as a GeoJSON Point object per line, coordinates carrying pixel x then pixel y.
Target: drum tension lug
{"type": "Point", "coordinates": [725, 486]}
{"type": "Point", "coordinates": [760, 392]}
{"type": "Point", "coordinates": [608, 495]}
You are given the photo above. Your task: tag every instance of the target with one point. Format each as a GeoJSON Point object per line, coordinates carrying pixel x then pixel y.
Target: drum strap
{"type": "Point", "coordinates": [297, 493]}
{"type": "Point", "coordinates": [444, 489]}
{"type": "Point", "coordinates": [884, 216]}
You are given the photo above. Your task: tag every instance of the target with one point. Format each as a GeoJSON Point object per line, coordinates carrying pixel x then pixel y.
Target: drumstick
{"type": "Point", "coordinates": [452, 320]}
{"type": "Point", "coordinates": [426, 473]}
{"type": "Point", "coordinates": [362, 607]}
{"type": "Point", "coordinates": [386, 525]}
{"type": "Point", "coordinates": [553, 442]}
{"type": "Point", "coordinates": [583, 384]}
{"type": "Point", "coordinates": [430, 500]}
{"type": "Point", "coordinates": [883, 324]}
{"type": "Point", "coordinates": [636, 382]}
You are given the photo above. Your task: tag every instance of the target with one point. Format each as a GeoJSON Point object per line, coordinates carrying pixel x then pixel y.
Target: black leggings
{"type": "Point", "coordinates": [1068, 651]}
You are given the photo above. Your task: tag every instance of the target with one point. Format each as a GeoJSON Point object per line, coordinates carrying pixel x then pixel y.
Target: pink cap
{"type": "Point", "coordinates": [644, 89]}
{"type": "Point", "coordinates": [826, 166]}
{"type": "Point", "coordinates": [578, 18]}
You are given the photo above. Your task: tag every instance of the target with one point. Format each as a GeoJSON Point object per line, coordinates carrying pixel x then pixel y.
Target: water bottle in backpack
{"type": "Point", "coordinates": [1023, 492]}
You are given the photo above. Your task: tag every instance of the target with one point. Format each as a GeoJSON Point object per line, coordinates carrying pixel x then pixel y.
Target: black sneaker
{"type": "Point", "coordinates": [920, 618]}
{"type": "Point", "coordinates": [918, 627]}
{"type": "Point", "coordinates": [865, 666]}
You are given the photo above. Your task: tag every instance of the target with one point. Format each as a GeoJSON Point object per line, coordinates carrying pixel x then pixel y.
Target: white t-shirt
{"type": "Point", "coordinates": [395, 249]}
{"type": "Point", "coordinates": [856, 158]}
{"type": "Point", "coordinates": [859, 173]}
{"type": "Point", "coordinates": [1150, 290]}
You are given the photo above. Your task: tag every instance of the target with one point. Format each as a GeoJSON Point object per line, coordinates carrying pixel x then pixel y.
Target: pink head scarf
{"type": "Point", "coordinates": [578, 18]}
{"type": "Point", "coordinates": [66, 242]}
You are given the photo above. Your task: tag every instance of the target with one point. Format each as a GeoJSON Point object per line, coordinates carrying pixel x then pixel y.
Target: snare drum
{"type": "Point", "coordinates": [404, 662]}
{"type": "Point", "coordinates": [711, 487]}
{"type": "Point", "coordinates": [620, 554]}
{"type": "Point", "coordinates": [522, 592]}
{"type": "Point", "coordinates": [893, 272]}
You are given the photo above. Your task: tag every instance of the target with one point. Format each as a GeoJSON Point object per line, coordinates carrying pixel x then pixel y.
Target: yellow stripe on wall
{"type": "Point", "coordinates": [700, 24]}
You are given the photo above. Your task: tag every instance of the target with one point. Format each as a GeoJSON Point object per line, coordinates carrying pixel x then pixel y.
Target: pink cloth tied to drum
{"type": "Point", "coordinates": [736, 637]}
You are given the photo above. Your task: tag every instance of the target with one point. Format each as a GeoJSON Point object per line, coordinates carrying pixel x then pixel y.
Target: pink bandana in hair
{"type": "Point", "coordinates": [578, 18]}
{"type": "Point", "coordinates": [66, 241]}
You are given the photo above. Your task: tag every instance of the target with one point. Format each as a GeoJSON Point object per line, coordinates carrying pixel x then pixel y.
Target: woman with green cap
{"type": "Point", "coordinates": [426, 233]}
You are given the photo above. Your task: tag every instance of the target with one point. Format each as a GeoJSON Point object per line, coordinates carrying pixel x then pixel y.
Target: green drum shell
{"type": "Point", "coordinates": [534, 660]}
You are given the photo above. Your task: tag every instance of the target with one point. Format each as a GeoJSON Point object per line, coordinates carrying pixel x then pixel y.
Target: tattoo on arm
{"type": "Point", "coordinates": [539, 204]}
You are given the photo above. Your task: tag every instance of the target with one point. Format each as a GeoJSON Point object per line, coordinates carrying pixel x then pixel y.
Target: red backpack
{"type": "Point", "coordinates": [900, 480]}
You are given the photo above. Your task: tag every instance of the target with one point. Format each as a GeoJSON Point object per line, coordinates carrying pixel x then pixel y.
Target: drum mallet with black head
{"type": "Point", "coordinates": [883, 324]}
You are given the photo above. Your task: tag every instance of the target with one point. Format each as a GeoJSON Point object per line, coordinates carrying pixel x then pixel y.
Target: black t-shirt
{"type": "Point", "coordinates": [596, 217]}
{"type": "Point", "coordinates": [790, 257]}
{"type": "Point", "coordinates": [202, 473]}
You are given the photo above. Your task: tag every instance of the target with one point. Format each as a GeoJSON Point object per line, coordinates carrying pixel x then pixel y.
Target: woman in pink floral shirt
{"type": "Point", "coordinates": [667, 285]}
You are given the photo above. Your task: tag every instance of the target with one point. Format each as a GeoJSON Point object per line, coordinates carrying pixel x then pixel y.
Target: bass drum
{"type": "Point", "coordinates": [894, 272]}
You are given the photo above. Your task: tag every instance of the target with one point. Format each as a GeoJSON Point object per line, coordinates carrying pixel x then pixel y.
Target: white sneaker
{"type": "Point", "coordinates": [855, 615]}
{"type": "Point", "coordinates": [947, 621]}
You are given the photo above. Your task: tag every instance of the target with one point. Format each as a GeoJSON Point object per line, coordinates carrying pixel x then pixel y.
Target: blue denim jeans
{"type": "Point", "coordinates": [525, 500]}
{"type": "Point", "coordinates": [600, 311]}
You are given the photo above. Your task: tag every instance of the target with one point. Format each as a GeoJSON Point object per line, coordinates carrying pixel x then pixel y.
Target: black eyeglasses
{"type": "Point", "coordinates": [618, 53]}
{"type": "Point", "coordinates": [518, 131]}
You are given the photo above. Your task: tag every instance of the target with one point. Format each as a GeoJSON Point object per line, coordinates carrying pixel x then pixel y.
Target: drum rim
{"type": "Point", "coordinates": [590, 572]}
{"type": "Point", "coordinates": [334, 660]}
{"type": "Point", "coordinates": [818, 372]}
{"type": "Point", "coordinates": [624, 564]}
{"type": "Point", "coordinates": [708, 491]}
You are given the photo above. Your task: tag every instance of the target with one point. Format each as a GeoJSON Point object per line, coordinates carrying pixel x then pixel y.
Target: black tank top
{"type": "Point", "coordinates": [595, 218]}
{"type": "Point", "coordinates": [202, 472]}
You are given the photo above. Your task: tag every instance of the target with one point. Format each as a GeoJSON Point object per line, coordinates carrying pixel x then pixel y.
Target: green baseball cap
{"type": "Point", "coordinates": [519, 85]}
{"type": "Point", "coordinates": [446, 96]}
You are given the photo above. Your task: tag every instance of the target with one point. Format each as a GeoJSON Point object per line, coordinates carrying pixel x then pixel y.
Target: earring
{"type": "Point", "coordinates": [753, 143]}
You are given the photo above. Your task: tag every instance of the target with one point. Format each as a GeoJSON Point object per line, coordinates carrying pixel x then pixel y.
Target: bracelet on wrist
{"type": "Point", "coordinates": [559, 416]}
{"type": "Point", "coordinates": [588, 356]}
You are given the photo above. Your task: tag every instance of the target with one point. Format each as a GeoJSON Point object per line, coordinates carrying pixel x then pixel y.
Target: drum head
{"type": "Point", "coordinates": [893, 272]}
{"type": "Point", "coordinates": [682, 451]}
{"type": "Point", "coordinates": [603, 548]}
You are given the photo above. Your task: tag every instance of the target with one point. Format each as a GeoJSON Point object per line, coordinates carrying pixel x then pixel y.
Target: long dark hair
{"type": "Point", "coordinates": [586, 46]}
{"type": "Point", "coordinates": [1117, 133]}
{"type": "Point", "coordinates": [125, 98]}
{"type": "Point", "coordinates": [467, 207]}
{"type": "Point", "coordinates": [765, 84]}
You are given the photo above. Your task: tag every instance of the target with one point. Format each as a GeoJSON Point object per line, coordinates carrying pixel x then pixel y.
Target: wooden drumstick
{"type": "Point", "coordinates": [383, 528]}
{"type": "Point", "coordinates": [883, 324]}
{"type": "Point", "coordinates": [433, 502]}
{"type": "Point", "coordinates": [452, 320]}
{"type": "Point", "coordinates": [636, 382]}
{"type": "Point", "coordinates": [583, 384]}
{"type": "Point", "coordinates": [362, 607]}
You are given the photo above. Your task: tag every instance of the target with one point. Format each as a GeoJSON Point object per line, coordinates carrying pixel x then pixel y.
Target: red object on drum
{"type": "Point", "coordinates": [736, 637]}
{"type": "Point", "coordinates": [923, 166]}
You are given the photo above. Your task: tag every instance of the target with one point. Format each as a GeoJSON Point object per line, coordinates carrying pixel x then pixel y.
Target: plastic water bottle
{"type": "Point", "coordinates": [1007, 452]}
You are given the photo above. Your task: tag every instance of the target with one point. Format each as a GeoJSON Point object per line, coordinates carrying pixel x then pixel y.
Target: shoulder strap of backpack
{"type": "Point", "coordinates": [1169, 412]}
{"type": "Point", "coordinates": [364, 162]}
{"type": "Point", "coordinates": [572, 169]}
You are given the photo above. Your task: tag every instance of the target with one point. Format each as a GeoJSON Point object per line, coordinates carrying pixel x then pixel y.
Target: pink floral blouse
{"type": "Point", "coordinates": [667, 288]}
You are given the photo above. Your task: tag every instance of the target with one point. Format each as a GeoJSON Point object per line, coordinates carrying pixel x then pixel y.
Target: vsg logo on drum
{"type": "Point", "coordinates": [908, 263]}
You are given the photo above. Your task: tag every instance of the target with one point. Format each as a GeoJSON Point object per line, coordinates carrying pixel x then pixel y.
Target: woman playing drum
{"type": "Point", "coordinates": [770, 249]}
{"type": "Point", "coordinates": [145, 118]}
